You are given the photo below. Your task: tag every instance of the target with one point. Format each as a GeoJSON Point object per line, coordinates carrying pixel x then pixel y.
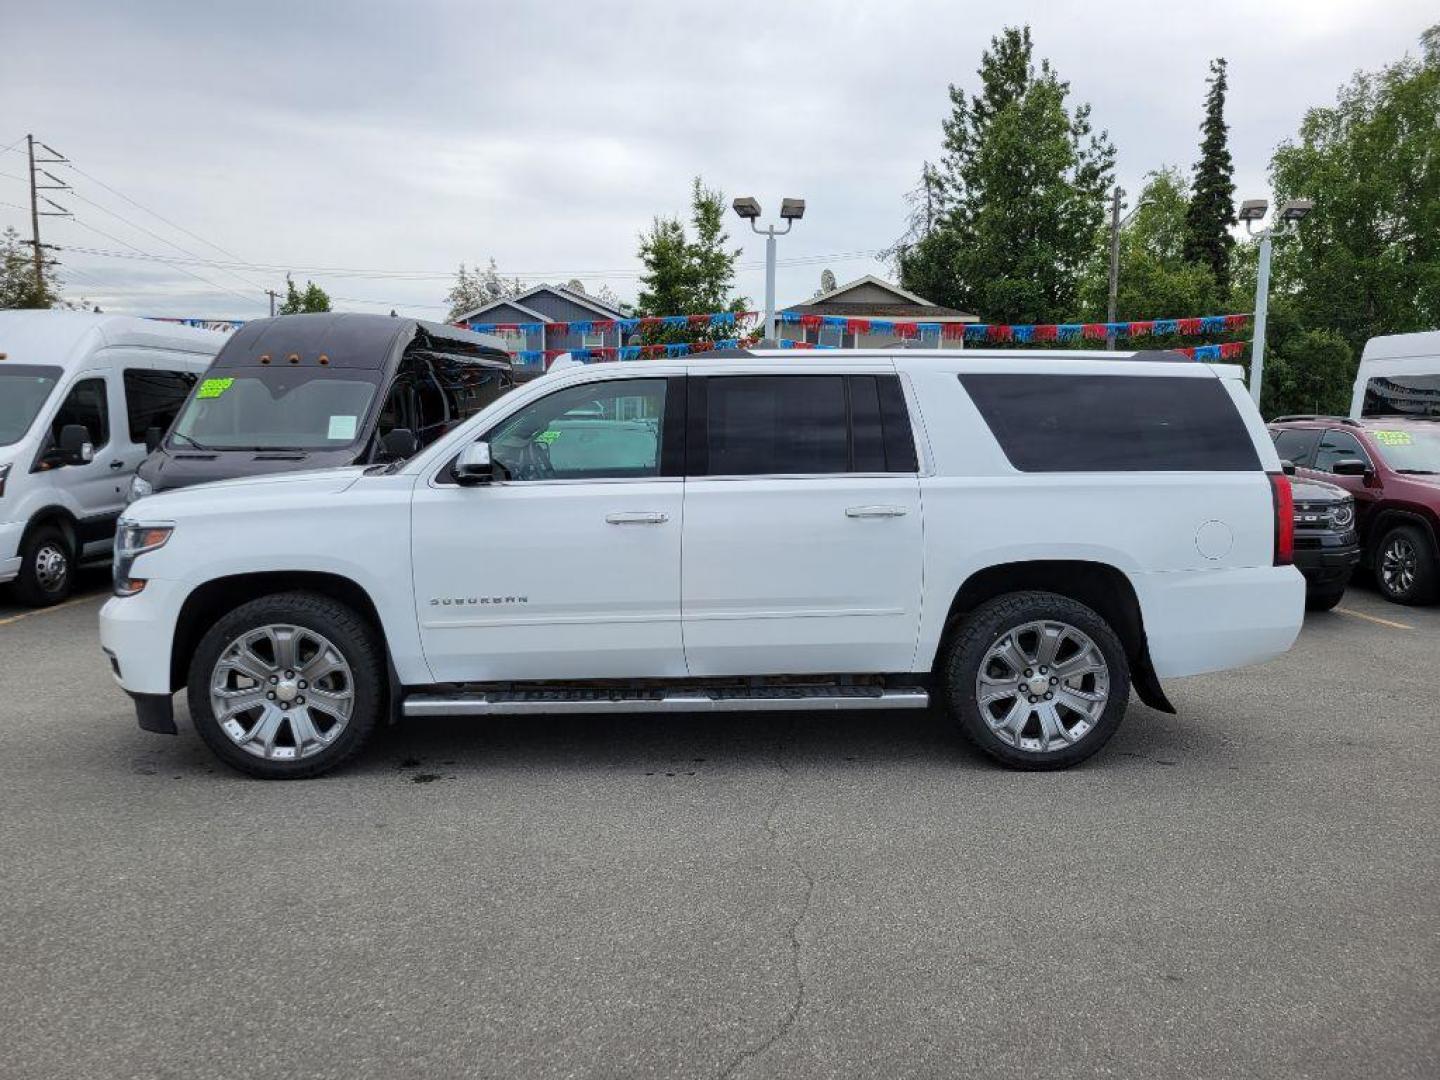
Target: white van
{"type": "Point", "coordinates": [1399, 376]}
{"type": "Point", "coordinates": [79, 393]}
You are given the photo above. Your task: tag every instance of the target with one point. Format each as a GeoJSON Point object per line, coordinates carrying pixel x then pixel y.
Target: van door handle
{"type": "Point", "coordinates": [639, 518]}
{"type": "Point", "coordinates": [875, 511]}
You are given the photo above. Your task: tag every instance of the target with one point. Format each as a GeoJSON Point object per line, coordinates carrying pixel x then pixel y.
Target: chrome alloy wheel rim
{"type": "Point", "coordinates": [282, 692]}
{"type": "Point", "coordinates": [52, 567]}
{"type": "Point", "coordinates": [1042, 686]}
{"type": "Point", "coordinates": [1398, 565]}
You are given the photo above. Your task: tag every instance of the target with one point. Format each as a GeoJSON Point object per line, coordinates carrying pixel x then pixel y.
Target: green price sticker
{"type": "Point", "coordinates": [547, 437]}
{"type": "Point", "coordinates": [213, 388]}
{"type": "Point", "coordinates": [1393, 438]}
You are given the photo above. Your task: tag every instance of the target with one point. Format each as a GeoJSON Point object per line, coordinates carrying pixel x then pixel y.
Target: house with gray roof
{"type": "Point", "coordinates": [867, 298]}
{"type": "Point", "coordinates": [549, 317]}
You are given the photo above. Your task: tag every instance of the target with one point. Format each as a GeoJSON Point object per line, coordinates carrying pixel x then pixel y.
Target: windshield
{"type": "Point", "coordinates": [1408, 450]}
{"type": "Point", "coordinates": [23, 389]}
{"type": "Point", "coordinates": [275, 409]}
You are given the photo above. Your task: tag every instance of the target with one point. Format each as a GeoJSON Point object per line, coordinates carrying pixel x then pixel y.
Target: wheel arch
{"type": "Point", "coordinates": [1389, 517]}
{"type": "Point", "coordinates": [209, 602]}
{"type": "Point", "coordinates": [1104, 588]}
{"type": "Point", "coordinates": [53, 514]}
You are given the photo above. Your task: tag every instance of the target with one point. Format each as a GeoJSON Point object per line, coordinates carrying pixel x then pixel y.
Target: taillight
{"type": "Point", "coordinates": [1283, 497]}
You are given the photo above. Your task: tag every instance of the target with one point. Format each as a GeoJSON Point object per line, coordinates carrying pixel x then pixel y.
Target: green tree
{"type": "Point", "coordinates": [296, 302]}
{"type": "Point", "coordinates": [1018, 196]}
{"type": "Point", "coordinates": [1157, 279]}
{"type": "Point", "coordinates": [1367, 261]}
{"type": "Point", "coordinates": [476, 288]}
{"type": "Point", "coordinates": [17, 275]}
{"type": "Point", "coordinates": [689, 273]}
{"type": "Point", "coordinates": [1212, 201]}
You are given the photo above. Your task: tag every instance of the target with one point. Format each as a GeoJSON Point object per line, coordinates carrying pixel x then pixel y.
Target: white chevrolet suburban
{"type": "Point", "coordinates": [1023, 536]}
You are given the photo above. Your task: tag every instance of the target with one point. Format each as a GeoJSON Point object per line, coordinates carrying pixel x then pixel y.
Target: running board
{"type": "Point", "coordinates": [760, 699]}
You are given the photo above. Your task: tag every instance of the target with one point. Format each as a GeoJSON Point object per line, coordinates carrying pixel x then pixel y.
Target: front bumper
{"type": "Point", "coordinates": [11, 532]}
{"type": "Point", "coordinates": [135, 634]}
{"type": "Point", "coordinates": [1327, 559]}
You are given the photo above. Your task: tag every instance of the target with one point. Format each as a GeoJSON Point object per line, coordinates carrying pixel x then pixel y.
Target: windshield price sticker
{"type": "Point", "coordinates": [341, 427]}
{"type": "Point", "coordinates": [213, 388]}
{"type": "Point", "coordinates": [1393, 438]}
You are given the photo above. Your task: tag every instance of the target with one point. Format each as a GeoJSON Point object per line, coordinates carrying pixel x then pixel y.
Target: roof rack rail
{"type": "Point", "coordinates": [1347, 421]}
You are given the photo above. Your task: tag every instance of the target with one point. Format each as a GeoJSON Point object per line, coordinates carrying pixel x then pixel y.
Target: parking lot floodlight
{"type": "Point", "coordinates": [1253, 209]}
{"type": "Point", "coordinates": [792, 209]}
{"type": "Point", "coordinates": [1296, 209]}
{"type": "Point", "coordinates": [747, 207]}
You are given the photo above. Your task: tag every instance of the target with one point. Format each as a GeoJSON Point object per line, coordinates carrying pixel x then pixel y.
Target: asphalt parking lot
{"type": "Point", "coordinates": [1249, 889]}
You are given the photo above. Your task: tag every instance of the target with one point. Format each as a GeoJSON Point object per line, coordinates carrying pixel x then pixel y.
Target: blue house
{"type": "Point", "coordinates": [547, 318]}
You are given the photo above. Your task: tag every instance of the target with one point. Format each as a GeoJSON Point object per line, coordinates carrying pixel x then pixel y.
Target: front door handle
{"type": "Point", "coordinates": [875, 511]}
{"type": "Point", "coordinates": [117, 464]}
{"type": "Point", "coordinates": [637, 518]}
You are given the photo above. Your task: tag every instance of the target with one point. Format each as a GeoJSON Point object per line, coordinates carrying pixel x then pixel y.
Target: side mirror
{"type": "Point", "coordinates": [399, 444]}
{"type": "Point", "coordinates": [1287, 466]}
{"type": "Point", "coordinates": [75, 446]}
{"type": "Point", "coordinates": [1349, 467]}
{"type": "Point", "coordinates": [153, 435]}
{"type": "Point", "coordinates": [474, 466]}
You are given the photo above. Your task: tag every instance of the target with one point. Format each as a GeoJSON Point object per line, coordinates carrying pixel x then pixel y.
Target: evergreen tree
{"type": "Point", "coordinates": [1212, 199]}
{"type": "Point", "coordinates": [689, 273]}
{"type": "Point", "coordinates": [1017, 197]}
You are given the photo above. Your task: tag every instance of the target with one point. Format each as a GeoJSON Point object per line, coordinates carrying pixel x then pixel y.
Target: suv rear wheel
{"type": "Point", "coordinates": [287, 686]}
{"type": "Point", "coordinates": [1037, 680]}
{"type": "Point", "coordinates": [1405, 566]}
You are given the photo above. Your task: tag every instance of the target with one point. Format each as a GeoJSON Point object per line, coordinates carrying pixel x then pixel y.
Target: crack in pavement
{"type": "Point", "coordinates": [792, 1013]}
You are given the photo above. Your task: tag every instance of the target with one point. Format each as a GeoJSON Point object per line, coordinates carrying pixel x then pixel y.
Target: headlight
{"type": "Point", "coordinates": [139, 488]}
{"type": "Point", "coordinates": [132, 541]}
{"type": "Point", "coordinates": [4, 475]}
{"type": "Point", "coordinates": [1343, 516]}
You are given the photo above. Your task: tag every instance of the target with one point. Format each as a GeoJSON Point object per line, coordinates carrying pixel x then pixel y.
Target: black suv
{"type": "Point", "coordinates": [1327, 545]}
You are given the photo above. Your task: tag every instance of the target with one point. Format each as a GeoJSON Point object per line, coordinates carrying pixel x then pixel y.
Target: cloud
{"type": "Point", "coordinates": [413, 136]}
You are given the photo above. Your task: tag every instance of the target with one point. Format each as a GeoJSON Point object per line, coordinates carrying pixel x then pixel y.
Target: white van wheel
{"type": "Point", "coordinates": [47, 568]}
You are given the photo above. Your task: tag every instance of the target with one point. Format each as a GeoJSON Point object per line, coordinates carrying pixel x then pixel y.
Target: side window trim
{"type": "Point", "coordinates": [1342, 434]}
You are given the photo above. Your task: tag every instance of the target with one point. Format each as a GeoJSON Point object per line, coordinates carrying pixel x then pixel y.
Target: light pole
{"type": "Point", "coordinates": [1116, 224]}
{"type": "Point", "coordinates": [1253, 211]}
{"type": "Point", "coordinates": [791, 211]}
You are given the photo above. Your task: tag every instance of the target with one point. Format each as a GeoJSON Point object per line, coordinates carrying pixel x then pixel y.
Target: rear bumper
{"type": "Point", "coordinates": [1211, 620]}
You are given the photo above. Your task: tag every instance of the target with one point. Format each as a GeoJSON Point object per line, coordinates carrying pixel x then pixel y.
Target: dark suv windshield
{"type": "Point", "coordinates": [23, 389]}
{"type": "Point", "coordinates": [1409, 449]}
{"type": "Point", "coordinates": [276, 408]}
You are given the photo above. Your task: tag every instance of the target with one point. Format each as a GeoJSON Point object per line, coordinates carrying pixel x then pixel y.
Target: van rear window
{"type": "Point", "coordinates": [1402, 395]}
{"type": "Point", "coordinates": [1113, 423]}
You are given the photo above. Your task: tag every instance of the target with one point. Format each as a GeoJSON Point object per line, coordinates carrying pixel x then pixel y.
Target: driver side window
{"type": "Point", "coordinates": [604, 430]}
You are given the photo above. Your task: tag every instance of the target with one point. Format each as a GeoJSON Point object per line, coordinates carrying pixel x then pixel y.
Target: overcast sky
{"type": "Point", "coordinates": [411, 136]}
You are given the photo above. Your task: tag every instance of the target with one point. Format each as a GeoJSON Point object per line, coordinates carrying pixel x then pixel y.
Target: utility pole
{"type": "Point", "coordinates": [1114, 260]}
{"type": "Point", "coordinates": [273, 295]}
{"type": "Point", "coordinates": [36, 213]}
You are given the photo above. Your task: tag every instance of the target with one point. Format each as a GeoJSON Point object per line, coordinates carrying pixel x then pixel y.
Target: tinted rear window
{"type": "Point", "coordinates": [1113, 423]}
{"type": "Point", "coordinates": [1402, 395]}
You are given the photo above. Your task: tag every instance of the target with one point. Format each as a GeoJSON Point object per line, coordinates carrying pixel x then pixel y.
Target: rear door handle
{"type": "Point", "coordinates": [875, 511]}
{"type": "Point", "coordinates": [637, 518]}
{"type": "Point", "coordinates": [117, 464]}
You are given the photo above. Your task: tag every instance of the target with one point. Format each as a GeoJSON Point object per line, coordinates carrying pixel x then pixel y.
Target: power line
{"type": "Point", "coordinates": [143, 254]}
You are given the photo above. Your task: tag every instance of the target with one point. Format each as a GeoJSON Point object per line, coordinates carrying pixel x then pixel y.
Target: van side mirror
{"type": "Point", "coordinates": [474, 465]}
{"type": "Point", "coordinates": [153, 435]}
{"type": "Point", "coordinates": [398, 444]}
{"type": "Point", "coordinates": [1349, 467]}
{"type": "Point", "coordinates": [75, 446]}
{"type": "Point", "coordinates": [1287, 466]}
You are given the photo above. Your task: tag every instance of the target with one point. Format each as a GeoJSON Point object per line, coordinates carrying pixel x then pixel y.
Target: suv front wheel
{"type": "Point", "coordinates": [1405, 566]}
{"type": "Point", "coordinates": [287, 686]}
{"type": "Point", "coordinates": [1037, 680]}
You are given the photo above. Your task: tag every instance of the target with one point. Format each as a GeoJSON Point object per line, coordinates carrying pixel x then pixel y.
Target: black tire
{"type": "Point", "coordinates": [1323, 598]}
{"type": "Point", "coordinates": [47, 567]}
{"type": "Point", "coordinates": [983, 627]}
{"type": "Point", "coordinates": [1410, 544]}
{"type": "Point", "coordinates": [351, 635]}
